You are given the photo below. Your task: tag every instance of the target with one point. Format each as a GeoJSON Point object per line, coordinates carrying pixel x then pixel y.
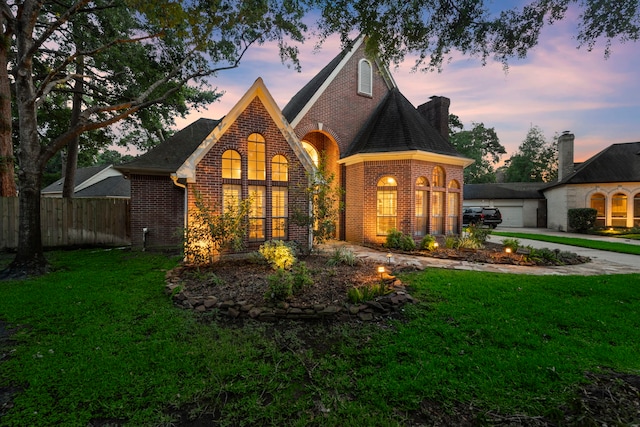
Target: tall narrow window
{"type": "Point", "coordinates": [231, 164]}
{"type": "Point", "coordinates": [279, 212]}
{"type": "Point", "coordinates": [387, 209]}
{"type": "Point", "coordinates": [257, 213]}
{"type": "Point", "coordinates": [365, 78]}
{"type": "Point", "coordinates": [619, 210]}
{"type": "Point", "coordinates": [636, 210]}
{"type": "Point", "coordinates": [279, 168]}
{"type": "Point", "coordinates": [437, 212]}
{"type": "Point", "coordinates": [256, 157]}
{"type": "Point", "coordinates": [453, 207]}
{"type": "Point", "coordinates": [598, 202]}
{"type": "Point", "coordinates": [438, 177]}
{"type": "Point", "coordinates": [422, 207]}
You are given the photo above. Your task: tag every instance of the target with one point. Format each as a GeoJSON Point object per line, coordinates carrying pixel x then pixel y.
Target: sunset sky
{"type": "Point", "coordinates": [557, 87]}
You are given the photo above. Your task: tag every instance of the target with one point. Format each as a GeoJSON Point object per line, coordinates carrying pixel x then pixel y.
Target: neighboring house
{"type": "Point", "coordinates": [522, 204]}
{"type": "Point", "coordinates": [95, 181]}
{"type": "Point", "coordinates": [393, 161]}
{"type": "Point", "coordinates": [608, 182]}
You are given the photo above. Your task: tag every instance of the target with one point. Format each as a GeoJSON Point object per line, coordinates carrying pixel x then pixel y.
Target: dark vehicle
{"type": "Point", "coordinates": [481, 216]}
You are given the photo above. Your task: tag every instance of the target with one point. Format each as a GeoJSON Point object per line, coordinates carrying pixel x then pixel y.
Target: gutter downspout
{"type": "Point", "coordinates": [174, 178]}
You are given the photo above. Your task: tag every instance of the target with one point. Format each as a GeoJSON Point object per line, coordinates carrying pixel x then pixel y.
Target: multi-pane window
{"type": "Point", "coordinates": [387, 205]}
{"type": "Point", "coordinates": [453, 207]}
{"type": "Point", "coordinates": [636, 210]}
{"type": "Point", "coordinates": [422, 206]}
{"type": "Point", "coordinates": [365, 78]}
{"type": "Point", "coordinates": [619, 210]}
{"type": "Point", "coordinates": [437, 209]}
{"type": "Point", "coordinates": [279, 168]}
{"type": "Point", "coordinates": [256, 169]}
{"type": "Point", "coordinates": [231, 196]}
{"type": "Point", "coordinates": [598, 203]}
{"type": "Point", "coordinates": [231, 165]}
{"type": "Point", "coordinates": [257, 213]}
{"type": "Point", "coordinates": [438, 177]}
{"type": "Point", "coordinates": [279, 212]}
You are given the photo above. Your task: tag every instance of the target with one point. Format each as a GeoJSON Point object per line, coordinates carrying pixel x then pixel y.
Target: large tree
{"type": "Point", "coordinates": [182, 42]}
{"type": "Point", "coordinates": [480, 144]}
{"type": "Point", "coordinates": [535, 161]}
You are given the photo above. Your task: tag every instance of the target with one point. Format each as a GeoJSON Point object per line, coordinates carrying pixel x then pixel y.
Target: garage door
{"type": "Point", "coordinates": [511, 216]}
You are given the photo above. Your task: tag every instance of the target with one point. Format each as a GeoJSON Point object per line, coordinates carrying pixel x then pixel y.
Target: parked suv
{"type": "Point", "coordinates": [481, 216]}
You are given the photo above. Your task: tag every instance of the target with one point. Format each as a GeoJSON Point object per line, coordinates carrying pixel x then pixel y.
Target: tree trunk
{"type": "Point", "coordinates": [7, 167]}
{"type": "Point", "coordinates": [71, 165]}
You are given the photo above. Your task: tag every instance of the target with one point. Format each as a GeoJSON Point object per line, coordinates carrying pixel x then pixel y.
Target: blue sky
{"type": "Point", "coordinates": [557, 87]}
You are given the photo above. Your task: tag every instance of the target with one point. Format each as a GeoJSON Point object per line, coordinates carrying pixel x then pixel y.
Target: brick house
{"type": "Point", "coordinates": [393, 161]}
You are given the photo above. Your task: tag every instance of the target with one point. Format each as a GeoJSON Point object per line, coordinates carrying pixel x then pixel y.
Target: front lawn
{"type": "Point", "coordinates": [98, 342]}
{"type": "Point", "coordinates": [602, 245]}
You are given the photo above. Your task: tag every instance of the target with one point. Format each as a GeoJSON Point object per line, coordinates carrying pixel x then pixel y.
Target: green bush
{"type": "Point", "coordinates": [451, 242]}
{"type": "Point", "coordinates": [397, 240]}
{"type": "Point", "coordinates": [428, 243]}
{"type": "Point", "coordinates": [366, 293]}
{"type": "Point", "coordinates": [278, 254]}
{"type": "Point", "coordinates": [467, 242]}
{"type": "Point", "coordinates": [512, 244]}
{"type": "Point", "coordinates": [301, 276]}
{"type": "Point", "coordinates": [342, 255]}
{"type": "Point", "coordinates": [478, 234]}
{"type": "Point", "coordinates": [280, 285]}
{"type": "Point", "coordinates": [582, 219]}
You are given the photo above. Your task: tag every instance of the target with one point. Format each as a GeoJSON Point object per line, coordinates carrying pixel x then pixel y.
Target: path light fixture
{"type": "Point", "coordinates": [507, 250]}
{"type": "Point", "coordinates": [389, 256]}
{"type": "Point", "coordinates": [435, 245]}
{"type": "Point", "coordinates": [381, 271]}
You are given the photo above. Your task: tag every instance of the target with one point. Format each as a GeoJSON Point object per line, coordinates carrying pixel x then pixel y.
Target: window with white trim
{"type": "Point", "coordinates": [279, 212]}
{"type": "Point", "coordinates": [365, 78]}
{"type": "Point", "coordinates": [387, 209]}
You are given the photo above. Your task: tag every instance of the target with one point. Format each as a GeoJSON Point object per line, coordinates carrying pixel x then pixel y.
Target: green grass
{"type": "Point", "coordinates": [575, 241]}
{"type": "Point", "coordinates": [99, 340]}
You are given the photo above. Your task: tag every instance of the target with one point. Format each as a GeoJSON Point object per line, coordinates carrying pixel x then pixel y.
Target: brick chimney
{"type": "Point", "coordinates": [436, 111]}
{"type": "Point", "coordinates": [565, 155]}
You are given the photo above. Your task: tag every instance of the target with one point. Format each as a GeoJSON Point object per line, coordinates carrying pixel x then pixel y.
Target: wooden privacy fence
{"type": "Point", "coordinates": [70, 222]}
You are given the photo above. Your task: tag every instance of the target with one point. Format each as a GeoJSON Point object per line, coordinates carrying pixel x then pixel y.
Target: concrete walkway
{"type": "Point", "coordinates": [602, 262]}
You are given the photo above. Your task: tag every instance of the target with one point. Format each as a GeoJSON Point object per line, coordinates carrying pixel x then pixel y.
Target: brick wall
{"type": "Point", "coordinates": [340, 109]}
{"type": "Point", "coordinates": [158, 205]}
{"type": "Point", "coordinates": [254, 119]}
{"type": "Point", "coordinates": [361, 195]}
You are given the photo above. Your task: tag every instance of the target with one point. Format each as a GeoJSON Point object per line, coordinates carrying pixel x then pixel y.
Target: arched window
{"type": "Point", "coordinates": [438, 177]}
{"type": "Point", "coordinates": [231, 165]}
{"type": "Point", "coordinates": [422, 206]}
{"type": "Point", "coordinates": [453, 184]}
{"type": "Point", "coordinates": [636, 210]}
{"type": "Point", "coordinates": [365, 78]}
{"type": "Point", "coordinates": [598, 202]}
{"type": "Point", "coordinates": [279, 168]}
{"type": "Point", "coordinates": [256, 157]}
{"type": "Point", "coordinates": [311, 151]}
{"type": "Point", "coordinates": [387, 209]}
{"type": "Point", "coordinates": [619, 210]}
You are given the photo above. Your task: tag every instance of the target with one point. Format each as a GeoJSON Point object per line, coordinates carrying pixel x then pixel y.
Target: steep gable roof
{"type": "Point", "coordinates": [616, 163]}
{"type": "Point", "coordinates": [179, 155]}
{"type": "Point", "coordinates": [309, 94]}
{"type": "Point", "coordinates": [169, 155]}
{"type": "Point", "coordinates": [396, 125]}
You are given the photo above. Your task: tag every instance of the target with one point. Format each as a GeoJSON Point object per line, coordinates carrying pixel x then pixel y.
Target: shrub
{"type": "Point", "coordinates": [342, 255]}
{"type": "Point", "coordinates": [301, 276]}
{"type": "Point", "coordinates": [512, 244]}
{"type": "Point", "coordinates": [467, 242]}
{"type": "Point", "coordinates": [478, 234]}
{"type": "Point", "coordinates": [582, 219]}
{"type": "Point", "coordinates": [428, 243]}
{"type": "Point", "coordinates": [280, 285]}
{"type": "Point", "coordinates": [366, 293]}
{"type": "Point", "coordinates": [397, 240]}
{"type": "Point", "coordinates": [450, 242]}
{"type": "Point", "coordinates": [278, 254]}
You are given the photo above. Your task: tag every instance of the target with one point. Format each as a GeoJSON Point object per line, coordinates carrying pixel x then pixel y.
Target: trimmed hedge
{"type": "Point", "coordinates": [582, 219]}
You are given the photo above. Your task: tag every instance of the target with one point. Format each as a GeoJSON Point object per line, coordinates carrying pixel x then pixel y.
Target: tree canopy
{"type": "Point", "coordinates": [535, 161]}
{"type": "Point", "coordinates": [480, 144]}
